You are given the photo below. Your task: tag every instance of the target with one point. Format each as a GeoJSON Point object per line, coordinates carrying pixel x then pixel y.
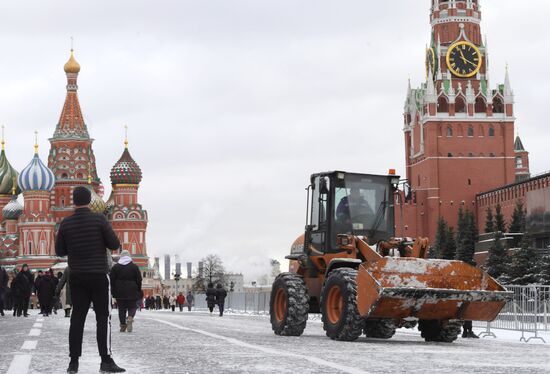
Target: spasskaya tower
{"type": "Point", "coordinates": [458, 125]}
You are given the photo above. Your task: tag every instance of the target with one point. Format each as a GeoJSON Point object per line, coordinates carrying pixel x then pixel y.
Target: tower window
{"type": "Point", "coordinates": [449, 131]}
{"type": "Point", "coordinates": [449, 154]}
{"type": "Point", "coordinates": [519, 162]}
{"type": "Point", "coordinates": [469, 182]}
{"type": "Point", "coordinates": [481, 106]}
{"type": "Point", "coordinates": [498, 105]}
{"type": "Point", "coordinates": [491, 131]}
{"type": "Point", "coordinates": [29, 248]}
{"type": "Point", "coordinates": [442, 105]}
{"type": "Point", "coordinates": [470, 131]}
{"type": "Point", "coordinates": [460, 105]}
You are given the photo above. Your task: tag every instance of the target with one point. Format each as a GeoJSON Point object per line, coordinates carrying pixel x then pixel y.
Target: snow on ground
{"type": "Point", "coordinates": [166, 342]}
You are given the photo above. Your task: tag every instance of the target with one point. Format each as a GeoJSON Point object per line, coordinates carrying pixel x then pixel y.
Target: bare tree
{"type": "Point", "coordinates": [212, 272]}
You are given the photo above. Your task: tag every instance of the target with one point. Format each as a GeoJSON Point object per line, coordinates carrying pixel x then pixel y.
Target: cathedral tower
{"type": "Point", "coordinates": [127, 216]}
{"type": "Point", "coordinates": [459, 128]}
{"type": "Point", "coordinates": [71, 153]}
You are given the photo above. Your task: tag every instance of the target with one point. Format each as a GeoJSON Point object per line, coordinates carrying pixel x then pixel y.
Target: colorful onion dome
{"type": "Point", "coordinates": [71, 66]}
{"type": "Point", "coordinates": [97, 205]}
{"type": "Point", "coordinates": [13, 209]}
{"type": "Point", "coordinates": [126, 170]}
{"type": "Point", "coordinates": [36, 176]}
{"type": "Point", "coordinates": [8, 176]}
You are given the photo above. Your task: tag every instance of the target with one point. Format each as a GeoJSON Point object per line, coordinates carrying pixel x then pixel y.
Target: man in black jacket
{"type": "Point", "coordinates": [83, 237]}
{"type": "Point", "coordinates": [3, 287]}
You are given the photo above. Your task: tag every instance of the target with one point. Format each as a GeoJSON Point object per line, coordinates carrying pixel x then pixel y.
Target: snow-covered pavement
{"type": "Point", "coordinates": [166, 342]}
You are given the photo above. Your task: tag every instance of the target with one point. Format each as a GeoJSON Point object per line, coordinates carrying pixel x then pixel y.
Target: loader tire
{"type": "Point", "coordinates": [341, 319]}
{"type": "Point", "coordinates": [288, 306]}
{"type": "Point", "coordinates": [439, 331]}
{"type": "Point", "coordinates": [381, 329]}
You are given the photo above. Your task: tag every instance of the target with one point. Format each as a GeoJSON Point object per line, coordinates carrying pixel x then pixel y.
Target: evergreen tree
{"type": "Point", "coordinates": [448, 250]}
{"type": "Point", "coordinates": [524, 262]}
{"type": "Point", "coordinates": [543, 270]}
{"type": "Point", "coordinates": [489, 221]}
{"type": "Point", "coordinates": [467, 238]}
{"type": "Point", "coordinates": [497, 259]}
{"type": "Point", "coordinates": [500, 223]}
{"type": "Point", "coordinates": [517, 225]}
{"type": "Point", "coordinates": [440, 239]}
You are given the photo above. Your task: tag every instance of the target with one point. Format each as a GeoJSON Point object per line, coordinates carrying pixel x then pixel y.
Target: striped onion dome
{"type": "Point", "coordinates": [7, 175]}
{"type": "Point", "coordinates": [13, 209]}
{"type": "Point", "coordinates": [126, 170]}
{"type": "Point", "coordinates": [36, 176]}
{"type": "Point", "coordinates": [97, 205]}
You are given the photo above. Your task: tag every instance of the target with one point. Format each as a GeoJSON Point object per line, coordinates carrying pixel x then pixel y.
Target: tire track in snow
{"type": "Point", "coordinates": [272, 351]}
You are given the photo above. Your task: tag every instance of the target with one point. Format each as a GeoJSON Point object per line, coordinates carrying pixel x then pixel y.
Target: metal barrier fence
{"type": "Point", "coordinates": [241, 302]}
{"type": "Point", "coordinates": [528, 312]}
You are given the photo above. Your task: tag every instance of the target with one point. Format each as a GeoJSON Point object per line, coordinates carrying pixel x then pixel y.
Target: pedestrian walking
{"type": "Point", "coordinates": [210, 297]}
{"type": "Point", "coordinates": [3, 289]}
{"type": "Point", "coordinates": [63, 292]}
{"type": "Point", "coordinates": [180, 301]}
{"type": "Point", "coordinates": [21, 291]}
{"type": "Point", "coordinates": [126, 285]}
{"type": "Point", "coordinates": [190, 300]}
{"type": "Point", "coordinates": [45, 289]}
{"type": "Point", "coordinates": [221, 294]}
{"type": "Point", "coordinates": [36, 285]}
{"type": "Point", "coordinates": [172, 301]}
{"type": "Point", "coordinates": [166, 302]}
{"type": "Point", "coordinates": [82, 237]}
{"type": "Point", "coordinates": [158, 302]}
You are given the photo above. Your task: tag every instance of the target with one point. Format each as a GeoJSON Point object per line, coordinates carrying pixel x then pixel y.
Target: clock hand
{"type": "Point", "coordinates": [466, 61]}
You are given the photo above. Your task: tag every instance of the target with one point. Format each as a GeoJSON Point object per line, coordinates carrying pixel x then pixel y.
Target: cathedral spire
{"type": "Point", "coordinates": [71, 122]}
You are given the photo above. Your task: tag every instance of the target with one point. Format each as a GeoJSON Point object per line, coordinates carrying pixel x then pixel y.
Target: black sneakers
{"type": "Point", "coordinates": [109, 366]}
{"type": "Point", "coordinates": [73, 367]}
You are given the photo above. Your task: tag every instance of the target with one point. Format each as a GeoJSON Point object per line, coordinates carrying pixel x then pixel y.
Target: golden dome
{"type": "Point", "coordinates": [72, 66]}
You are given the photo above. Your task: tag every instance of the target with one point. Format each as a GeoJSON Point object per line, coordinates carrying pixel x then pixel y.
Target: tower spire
{"type": "Point", "coordinates": [126, 136]}
{"type": "Point", "coordinates": [3, 139]}
{"type": "Point", "coordinates": [36, 142]}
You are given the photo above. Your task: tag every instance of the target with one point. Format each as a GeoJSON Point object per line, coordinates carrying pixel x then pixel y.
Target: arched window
{"type": "Point", "coordinates": [491, 131]}
{"type": "Point", "coordinates": [481, 105]}
{"type": "Point", "coordinates": [498, 105]}
{"type": "Point", "coordinates": [442, 105]}
{"type": "Point", "coordinates": [460, 105]}
{"type": "Point", "coordinates": [449, 131]}
{"type": "Point", "coordinates": [470, 131]}
{"type": "Point", "coordinates": [64, 176]}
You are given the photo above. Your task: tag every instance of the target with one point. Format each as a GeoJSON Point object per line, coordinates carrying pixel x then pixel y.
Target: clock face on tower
{"type": "Point", "coordinates": [464, 59]}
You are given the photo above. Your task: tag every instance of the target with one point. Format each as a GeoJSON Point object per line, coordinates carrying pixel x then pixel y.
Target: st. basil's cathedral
{"type": "Point", "coordinates": [27, 232]}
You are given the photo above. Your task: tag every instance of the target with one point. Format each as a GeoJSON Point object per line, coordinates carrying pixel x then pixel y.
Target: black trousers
{"type": "Point", "coordinates": [86, 289]}
{"type": "Point", "coordinates": [126, 306]}
{"type": "Point", "coordinates": [221, 305]}
{"type": "Point", "coordinates": [21, 305]}
{"type": "Point", "coordinates": [2, 293]}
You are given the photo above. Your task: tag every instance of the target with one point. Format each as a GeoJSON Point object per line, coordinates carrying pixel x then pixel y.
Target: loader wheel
{"type": "Point", "coordinates": [288, 305]}
{"type": "Point", "coordinates": [341, 320]}
{"type": "Point", "coordinates": [381, 329]}
{"type": "Point", "coordinates": [439, 331]}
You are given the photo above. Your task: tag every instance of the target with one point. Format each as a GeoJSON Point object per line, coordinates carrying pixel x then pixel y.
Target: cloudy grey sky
{"type": "Point", "coordinates": [232, 104]}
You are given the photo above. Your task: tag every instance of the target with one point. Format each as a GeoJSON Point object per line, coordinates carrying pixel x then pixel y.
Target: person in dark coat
{"type": "Point", "coordinates": [84, 237]}
{"type": "Point", "coordinates": [63, 292]}
{"type": "Point", "coordinates": [126, 288]}
{"type": "Point", "coordinates": [210, 297]}
{"type": "Point", "coordinates": [36, 284]}
{"type": "Point", "coordinates": [158, 302]}
{"type": "Point", "coordinates": [166, 302]}
{"type": "Point", "coordinates": [190, 300]}
{"type": "Point", "coordinates": [46, 291]}
{"type": "Point", "coordinates": [221, 294]}
{"type": "Point", "coordinates": [21, 290]}
{"type": "Point", "coordinates": [3, 288]}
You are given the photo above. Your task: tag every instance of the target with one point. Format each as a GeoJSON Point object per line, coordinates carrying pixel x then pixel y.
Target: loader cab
{"type": "Point", "coordinates": [349, 203]}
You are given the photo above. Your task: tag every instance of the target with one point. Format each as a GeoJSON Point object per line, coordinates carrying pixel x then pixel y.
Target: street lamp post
{"type": "Point", "coordinates": [177, 278]}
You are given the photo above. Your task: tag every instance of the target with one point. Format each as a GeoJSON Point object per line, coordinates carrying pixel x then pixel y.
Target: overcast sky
{"type": "Point", "coordinates": [232, 104]}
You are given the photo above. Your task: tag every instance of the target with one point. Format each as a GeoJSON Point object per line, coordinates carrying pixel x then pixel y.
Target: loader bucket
{"type": "Point", "coordinates": [398, 288]}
